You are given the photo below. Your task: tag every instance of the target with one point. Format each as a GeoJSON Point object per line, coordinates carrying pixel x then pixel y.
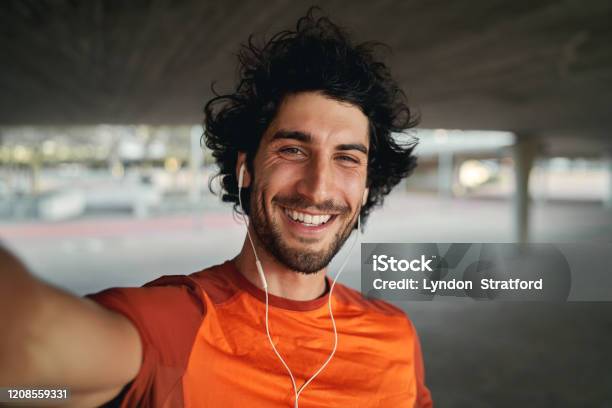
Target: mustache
{"type": "Point", "coordinates": [300, 203]}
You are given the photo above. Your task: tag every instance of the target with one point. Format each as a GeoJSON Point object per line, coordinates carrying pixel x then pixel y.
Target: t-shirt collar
{"type": "Point", "coordinates": [277, 301]}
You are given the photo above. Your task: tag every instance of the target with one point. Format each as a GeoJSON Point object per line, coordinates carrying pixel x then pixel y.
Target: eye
{"type": "Point", "coordinates": [291, 152]}
{"type": "Point", "coordinates": [348, 159]}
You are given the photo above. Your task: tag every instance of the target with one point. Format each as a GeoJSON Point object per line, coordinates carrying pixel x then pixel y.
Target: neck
{"type": "Point", "coordinates": [282, 281]}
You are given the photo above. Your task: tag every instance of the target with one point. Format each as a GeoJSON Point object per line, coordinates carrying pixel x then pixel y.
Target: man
{"type": "Point", "coordinates": [309, 128]}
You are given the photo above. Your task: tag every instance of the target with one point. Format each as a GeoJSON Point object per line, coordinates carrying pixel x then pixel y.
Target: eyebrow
{"type": "Point", "coordinates": [307, 138]}
{"type": "Point", "coordinates": [353, 146]}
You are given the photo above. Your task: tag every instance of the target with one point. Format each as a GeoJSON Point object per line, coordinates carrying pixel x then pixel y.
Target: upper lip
{"type": "Point", "coordinates": [307, 212]}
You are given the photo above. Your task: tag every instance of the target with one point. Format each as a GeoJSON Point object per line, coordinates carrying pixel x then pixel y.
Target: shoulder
{"type": "Point", "coordinates": [352, 299]}
{"type": "Point", "coordinates": [212, 282]}
{"type": "Point", "coordinates": [217, 282]}
{"type": "Point", "coordinates": [170, 292]}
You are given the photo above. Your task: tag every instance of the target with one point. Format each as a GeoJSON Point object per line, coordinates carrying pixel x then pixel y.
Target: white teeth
{"type": "Point", "coordinates": [308, 219]}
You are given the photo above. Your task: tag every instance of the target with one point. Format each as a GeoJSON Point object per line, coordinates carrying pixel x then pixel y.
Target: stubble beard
{"type": "Point", "coordinates": [300, 260]}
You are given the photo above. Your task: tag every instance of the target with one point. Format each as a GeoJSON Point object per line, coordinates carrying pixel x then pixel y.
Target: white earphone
{"type": "Point", "coordinates": [264, 283]}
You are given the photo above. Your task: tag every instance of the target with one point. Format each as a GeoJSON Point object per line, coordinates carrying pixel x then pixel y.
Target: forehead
{"type": "Point", "coordinates": [327, 120]}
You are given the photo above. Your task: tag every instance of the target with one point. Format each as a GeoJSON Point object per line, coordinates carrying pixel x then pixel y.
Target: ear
{"type": "Point", "coordinates": [246, 181]}
{"type": "Point", "coordinates": [365, 196]}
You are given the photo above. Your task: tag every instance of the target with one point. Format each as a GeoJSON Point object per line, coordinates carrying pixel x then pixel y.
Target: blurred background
{"type": "Point", "coordinates": [103, 181]}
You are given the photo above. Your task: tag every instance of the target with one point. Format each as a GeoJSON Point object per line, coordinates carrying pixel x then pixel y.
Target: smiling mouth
{"type": "Point", "coordinates": [308, 220]}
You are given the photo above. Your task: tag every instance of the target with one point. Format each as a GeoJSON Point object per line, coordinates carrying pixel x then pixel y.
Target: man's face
{"type": "Point", "coordinates": [310, 176]}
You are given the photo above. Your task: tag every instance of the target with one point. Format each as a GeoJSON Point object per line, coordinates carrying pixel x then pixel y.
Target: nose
{"type": "Point", "coordinates": [317, 181]}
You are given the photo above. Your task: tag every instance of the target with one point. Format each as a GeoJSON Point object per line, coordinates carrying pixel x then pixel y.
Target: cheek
{"type": "Point", "coordinates": [351, 183]}
{"type": "Point", "coordinates": [354, 191]}
{"type": "Point", "coordinates": [279, 175]}
{"type": "Point", "coordinates": [270, 182]}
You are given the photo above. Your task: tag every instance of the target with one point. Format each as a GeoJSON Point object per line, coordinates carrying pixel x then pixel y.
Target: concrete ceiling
{"type": "Point", "coordinates": [543, 67]}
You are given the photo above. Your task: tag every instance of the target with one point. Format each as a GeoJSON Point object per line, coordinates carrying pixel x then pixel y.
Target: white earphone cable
{"type": "Point", "coordinates": [331, 315]}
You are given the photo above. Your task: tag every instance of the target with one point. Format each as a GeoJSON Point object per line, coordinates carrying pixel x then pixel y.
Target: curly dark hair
{"type": "Point", "coordinates": [317, 56]}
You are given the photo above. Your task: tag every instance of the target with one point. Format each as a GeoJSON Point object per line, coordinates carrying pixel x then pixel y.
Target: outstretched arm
{"type": "Point", "coordinates": [52, 338]}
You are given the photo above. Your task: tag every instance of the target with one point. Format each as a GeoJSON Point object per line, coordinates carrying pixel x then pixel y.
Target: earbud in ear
{"type": "Point", "coordinates": [365, 196]}
{"type": "Point", "coordinates": [241, 176]}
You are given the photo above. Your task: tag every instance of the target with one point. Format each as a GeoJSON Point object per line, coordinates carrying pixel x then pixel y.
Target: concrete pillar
{"type": "Point", "coordinates": [607, 199]}
{"type": "Point", "coordinates": [446, 173]}
{"type": "Point", "coordinates": [524, 152]}
{"type": "Point", "coordinates": [35, 169]}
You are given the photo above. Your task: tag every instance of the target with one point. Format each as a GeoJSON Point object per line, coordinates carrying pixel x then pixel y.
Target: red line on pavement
{"type": "Point", "coordinates": [115, 227]}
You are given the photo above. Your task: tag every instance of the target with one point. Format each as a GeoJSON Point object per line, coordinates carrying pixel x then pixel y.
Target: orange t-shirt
{"type": "Point", "coordinates": [205, 345]}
